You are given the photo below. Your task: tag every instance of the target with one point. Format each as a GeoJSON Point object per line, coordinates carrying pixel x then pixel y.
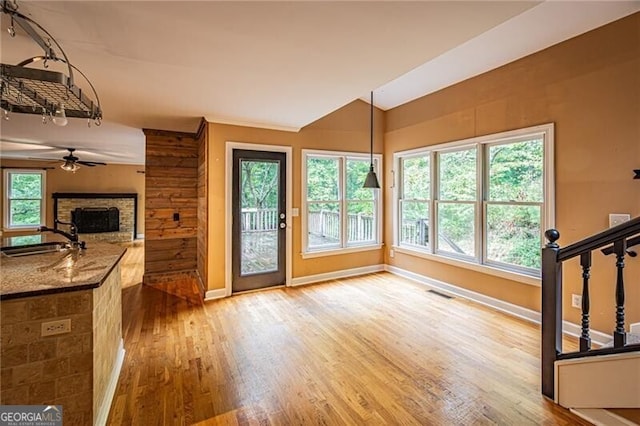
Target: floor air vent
{"type": "Point", "coordinates": [437, 293]}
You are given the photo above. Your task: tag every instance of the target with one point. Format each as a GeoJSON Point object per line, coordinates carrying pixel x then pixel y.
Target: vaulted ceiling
{"type": "Point", "coordinates": [280, 65]}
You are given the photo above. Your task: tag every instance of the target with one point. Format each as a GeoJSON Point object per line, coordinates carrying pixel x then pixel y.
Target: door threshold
{"type": "Point", "coordinates": [273, 287]}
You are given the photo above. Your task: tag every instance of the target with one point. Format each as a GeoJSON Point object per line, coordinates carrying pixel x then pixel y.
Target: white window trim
{"type": "Point", "coordinates": [332, 251]}
{"type": "Point", "coordinates": [546, 131]}
{"type": "Point", "coordinates": [5, 200]}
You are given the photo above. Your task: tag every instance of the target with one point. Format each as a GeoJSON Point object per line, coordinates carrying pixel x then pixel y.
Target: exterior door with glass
{"type": "Point", "coordinates": [259, 219]}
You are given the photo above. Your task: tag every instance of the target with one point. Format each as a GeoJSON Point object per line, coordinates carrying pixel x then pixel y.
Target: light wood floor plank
{"type": "Point", "coordinates": [376, 349]}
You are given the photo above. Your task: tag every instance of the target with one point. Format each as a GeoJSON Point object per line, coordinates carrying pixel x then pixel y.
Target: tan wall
{"type": "Point", "coordinates": [589, 87]}
{"type": "Point", "coordinates": [344, 130]}
{"type": "Point", "coordinates": [109, 178]}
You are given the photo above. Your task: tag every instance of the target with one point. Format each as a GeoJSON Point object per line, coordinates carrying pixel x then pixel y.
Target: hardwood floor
{"type": "Point", "coordinates": [376, 349]}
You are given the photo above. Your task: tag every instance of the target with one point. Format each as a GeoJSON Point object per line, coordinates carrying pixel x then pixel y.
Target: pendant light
{"type": "Point", "coordinates": [372, 180]}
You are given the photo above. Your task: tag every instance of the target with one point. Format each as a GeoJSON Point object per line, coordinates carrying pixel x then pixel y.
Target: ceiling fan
{"type": "Point", "coordinates": [71, 162]}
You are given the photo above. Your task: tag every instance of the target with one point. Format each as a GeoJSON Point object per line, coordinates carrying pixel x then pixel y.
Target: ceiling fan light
{"type": "Point", "coordinates": [69, 166]}
{"type": "Point", "coordinates": [59, 116]}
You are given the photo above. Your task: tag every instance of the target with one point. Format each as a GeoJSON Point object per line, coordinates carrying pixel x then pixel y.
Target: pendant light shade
{"type": "Point", "coordinates": [371, 181]}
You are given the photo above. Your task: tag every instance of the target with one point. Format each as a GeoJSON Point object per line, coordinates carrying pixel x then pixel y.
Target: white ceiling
{"type": "Point", "coordinates": [279, 65]}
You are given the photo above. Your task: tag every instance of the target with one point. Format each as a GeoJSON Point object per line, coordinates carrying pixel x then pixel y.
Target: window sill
{"type": "Point", "coordinates": [334, 252]}
{"type": "Point", "coordinates": [21, 229]}
{"type": "Point", "coordinates": [485, 269]}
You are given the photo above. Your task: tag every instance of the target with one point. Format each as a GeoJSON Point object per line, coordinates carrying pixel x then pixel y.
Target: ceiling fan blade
{"type": "Point", "coordinates": [44, 160]}
{"type": "Point", "coordinates": [91, 163]}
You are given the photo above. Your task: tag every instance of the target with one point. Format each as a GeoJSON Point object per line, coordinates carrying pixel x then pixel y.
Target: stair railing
{"type": "Point", "coordinates": [617, 240]}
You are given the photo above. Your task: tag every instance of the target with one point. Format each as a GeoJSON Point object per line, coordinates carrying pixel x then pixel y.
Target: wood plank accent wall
{"type": "Point", "coordinates": [203, 176]}
{"type": "Point", "coordinates": [171, 186]}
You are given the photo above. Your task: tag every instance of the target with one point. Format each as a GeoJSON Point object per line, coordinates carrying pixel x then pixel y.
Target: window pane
{"type": "Point", "coordinates": [515, 171]}
{"type": "Point", "coordinates": [26, 185]}
{"type": "Point", "coordinates": [323, 224]}
{"type": "Point", "coordinates": [513, 234]}
{"type": "Point", "coordinates": [322, 179]}
{"type": "Point", "coordinates": [356, 173]}
{"type": "Point", "coordinates": [361, 225]}
{"type": "Point", "coordinates": [458, 175]}
{"type": "Point", "coordinates": [415, 178]}
{"type": "Point", "coordinates": [456, 228]}
{"type": "Point", "coordinates": [24, 212]}
{"type": "Point", "coordinates": [259, 184]}
{"type": "Point", "coordinates": [414, 225]}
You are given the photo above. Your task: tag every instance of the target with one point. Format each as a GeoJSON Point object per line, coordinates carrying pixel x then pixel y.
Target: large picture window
{"type": "Point", "coordinates": [485, 200]}
{"type": "Point", "coordinates": [24, 198]}
{"type": "Point", "coordinates": [338, 213]}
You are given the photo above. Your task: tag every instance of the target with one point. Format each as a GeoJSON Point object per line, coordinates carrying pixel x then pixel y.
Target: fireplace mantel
{"type": "Point", "coordinates": [96, 195]}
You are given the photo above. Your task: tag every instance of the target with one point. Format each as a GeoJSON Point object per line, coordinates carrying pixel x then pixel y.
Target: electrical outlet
{"type": "Point", "coordinates": [576, 301]}
{"type": "Point", "coordinates": [52, 328]}
{"type": "Point", "coordinates": [392, 253]}
{"type": "Point", "coordinates": [616, 219]}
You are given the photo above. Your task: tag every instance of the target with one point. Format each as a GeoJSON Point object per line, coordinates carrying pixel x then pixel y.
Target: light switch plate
{"type": "Point", "coordinates": [295, 212]}
{"type": "Point", "coordinates": [616, 219]}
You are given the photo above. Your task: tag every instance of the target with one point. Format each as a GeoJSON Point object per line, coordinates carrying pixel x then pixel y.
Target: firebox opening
{"type": "Point", "coordinates": [91, 220]}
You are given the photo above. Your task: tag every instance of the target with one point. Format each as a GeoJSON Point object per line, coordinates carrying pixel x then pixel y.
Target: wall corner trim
{"type": "Point", "coordinates": [500, 305]}
{"type": "Point", "coordinates": [309, 279]}
{"type": "Point", "coordinates": [218, 293]}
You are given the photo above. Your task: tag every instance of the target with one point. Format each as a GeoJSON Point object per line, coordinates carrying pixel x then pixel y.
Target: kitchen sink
{"type": "Point", "coordinates": [34, 249]}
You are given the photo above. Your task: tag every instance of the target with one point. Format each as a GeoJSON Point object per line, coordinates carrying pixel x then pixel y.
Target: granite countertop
{"type": "Point", "coordinates": [68, 270]}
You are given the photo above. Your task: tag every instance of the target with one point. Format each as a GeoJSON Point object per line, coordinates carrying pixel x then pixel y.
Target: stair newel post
{"type": "Point", "coordinates": [585, 338]}
{"type": "Point", "coordinates": [619, 335]}
{"type": "Point", "coordinates": [551, 310]}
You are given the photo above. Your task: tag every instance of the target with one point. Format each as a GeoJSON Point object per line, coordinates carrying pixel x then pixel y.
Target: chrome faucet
{"type": "Point", "coordinates": [72, 235]}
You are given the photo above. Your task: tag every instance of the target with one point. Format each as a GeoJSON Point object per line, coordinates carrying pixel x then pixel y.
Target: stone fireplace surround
{"type": "Point", "coordinates": [127, 203]}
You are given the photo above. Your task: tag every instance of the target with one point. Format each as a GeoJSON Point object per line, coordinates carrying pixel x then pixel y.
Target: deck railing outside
{"type": "Point", "coordinates": [325, 224]}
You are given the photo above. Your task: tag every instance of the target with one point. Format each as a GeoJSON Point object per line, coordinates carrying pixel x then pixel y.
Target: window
{"type": "Point", "coordinates": [457, 202]}
{"type": "Point", "coordinates": [24, 198]}
{"type": "Point", "coordinates": [484, 201]}
{"type": "Point", "coordinates": [338, 213]}
{"type": "Point", "coordinates": [415, 201]}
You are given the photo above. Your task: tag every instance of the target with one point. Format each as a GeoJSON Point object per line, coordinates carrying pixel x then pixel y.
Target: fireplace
{"type": "Point", "coordinates": [96, 219]}
{"type": "Point", "coordinates": [109, 217]}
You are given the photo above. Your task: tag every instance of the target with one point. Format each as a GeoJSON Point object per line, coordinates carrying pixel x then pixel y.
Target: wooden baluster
{"type": "Point", "coordinates": [551, 310]}
{"type": "Point", "coordinates": [619, 335]}
{"type": "Point", "coordinates": [585, 338]}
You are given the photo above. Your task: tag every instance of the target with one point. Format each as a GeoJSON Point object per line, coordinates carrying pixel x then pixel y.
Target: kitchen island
{"type": "Point", "coordinates": [61, 320]}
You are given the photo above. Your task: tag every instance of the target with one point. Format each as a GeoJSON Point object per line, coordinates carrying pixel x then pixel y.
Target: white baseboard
{"type": "Point", "coordinates": [635, 328]}
{"type": "Point", "coordinates": [103, 412]}
{"type": "Point", "coordinates": [500, 305]}
{"type": "Point", "coordinates": [601, 417]}
{"type": "Point", "coordinates": [218, 293]}
{"type": "Point", "coordinates": [309, 279]}
{"type": "Point", "coordinates": [139, 236]}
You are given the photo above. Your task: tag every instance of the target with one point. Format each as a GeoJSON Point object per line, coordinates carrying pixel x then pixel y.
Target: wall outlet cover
{"type": "Point", "coordinates": [576, 301]}
{"type": "Point", "coordinates": [53, 328]}
{"type": "Point", "coordinates": [616, 219]}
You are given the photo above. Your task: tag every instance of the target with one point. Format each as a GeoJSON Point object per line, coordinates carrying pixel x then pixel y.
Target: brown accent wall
{"type": "Point", "coordinates": [203, 200]}
{"type": "Point", "coordinates": [171, 188]}
{"type": "Point", "coordinates": [346, 129]}
{"type": "Point", "coordinates": [589, 87]}
{"type": "Point", "coordinates": [109, 178]}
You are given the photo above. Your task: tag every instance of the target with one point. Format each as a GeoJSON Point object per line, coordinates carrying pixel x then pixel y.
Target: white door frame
{"type": "Point", "coordinates": [228, 185]}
